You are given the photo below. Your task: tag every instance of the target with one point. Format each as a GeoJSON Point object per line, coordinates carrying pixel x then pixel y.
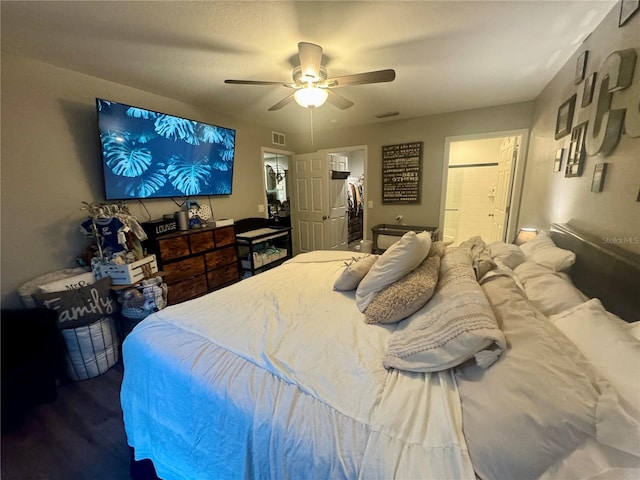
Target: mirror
{"type": "Point", "coordinates": [276, 169]}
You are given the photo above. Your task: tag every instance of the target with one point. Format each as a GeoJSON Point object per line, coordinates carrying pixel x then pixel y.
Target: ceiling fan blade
{"type": "Point", "coordinates": [379, 76]}
{"type": "Point", "coordinates": [258, 82]}
{"type": "Point", "coordinates": [310, 61]}
{"type": "Point", "coordinates": [338, 100]}
{"type": "Point", "coordinates": [285, 101]}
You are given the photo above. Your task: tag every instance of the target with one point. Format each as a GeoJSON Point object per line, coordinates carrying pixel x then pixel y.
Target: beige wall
{"type": "Point", "coordinates": [51, 163]}
{"type": "Point", "coordinates": [614, 213]}
{"type": "Point", "coordinates": [432, 131]}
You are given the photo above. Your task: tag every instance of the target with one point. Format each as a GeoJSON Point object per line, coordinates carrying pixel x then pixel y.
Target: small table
{"type": "Point", "coordinates": [388, 229]}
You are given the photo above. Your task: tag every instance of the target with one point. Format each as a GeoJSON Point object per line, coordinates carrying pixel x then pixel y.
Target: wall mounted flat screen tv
{"type": "Point", "coordinates": [147, 154]}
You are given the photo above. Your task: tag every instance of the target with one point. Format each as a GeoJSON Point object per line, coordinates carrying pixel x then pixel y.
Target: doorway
{"type": "Point", "coordinates": [481, 186]}
{"type": "Point", "coordinates": [320, 198]}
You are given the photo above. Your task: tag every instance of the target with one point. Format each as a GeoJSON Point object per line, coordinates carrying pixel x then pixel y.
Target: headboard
{"type": "Point", "coordinates": [602, 270]}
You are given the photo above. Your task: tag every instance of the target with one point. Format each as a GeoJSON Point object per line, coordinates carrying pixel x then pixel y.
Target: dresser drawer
{"type": "Point", "coordinates": [171, 248]}
{"type": "Point", "coordinates": [224, 256]}
{"type": "Point", "coordinates": [222, 276]}
{"type": "Point", "coordinates": [201, 242]}
{"type": "Point", "coordinates": [181, 269]}
{"type": "Point", "coordinates": [187, 289]}
{"type": "Point", "coordinates": [225, 236]}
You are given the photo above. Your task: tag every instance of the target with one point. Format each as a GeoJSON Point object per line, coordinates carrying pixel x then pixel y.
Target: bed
{"type": "Point", "coordinates": [424, 362]}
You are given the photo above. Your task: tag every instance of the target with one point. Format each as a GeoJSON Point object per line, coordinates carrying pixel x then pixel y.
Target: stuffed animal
{"type": "Point", "coordinates": [132, 301]}
{"type": "Point", "coordinates": [155, 293]}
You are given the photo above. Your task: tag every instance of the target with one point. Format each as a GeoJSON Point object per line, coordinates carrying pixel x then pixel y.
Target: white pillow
{"type": "Point", "coordinates": [399, 259]}
{"type": "Point", "coordinates": [543, 251]}
{"type": "Point", "coordinates": [353, 274]}
{"type": "Point", "coordinates": [634, 330]}
{"type": "Point", "coordinates": [550, 292]}
{"type": "Point", "coordinates": [607, 345]}
{"type": "Point", "coordinates": [508, 253]}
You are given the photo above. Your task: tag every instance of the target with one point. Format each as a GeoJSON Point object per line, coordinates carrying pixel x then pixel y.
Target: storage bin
{"type": "Point", "coordinates": [129, 273]}
{"type": "Point", "coordinates": [91, 349]}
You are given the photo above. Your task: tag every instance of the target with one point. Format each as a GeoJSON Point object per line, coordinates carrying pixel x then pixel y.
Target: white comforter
{"type": "Point", "coordinates": [279, 377]}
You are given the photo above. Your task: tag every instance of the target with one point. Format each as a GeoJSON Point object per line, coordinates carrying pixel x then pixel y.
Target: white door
{"type": "Point", "coordinates": [504, 181]}
{"type": "Point", "coordinates": [310, 215]}
{"type": "Point", "coordinates": [320, 205]}
{"type": "Point", "coordinates": [338, 224]}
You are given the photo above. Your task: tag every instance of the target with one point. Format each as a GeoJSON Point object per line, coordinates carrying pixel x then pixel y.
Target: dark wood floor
{"type": "Point", "coordinates": [78, 436]}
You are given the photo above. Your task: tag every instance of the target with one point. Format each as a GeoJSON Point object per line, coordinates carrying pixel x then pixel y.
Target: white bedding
{"type": "Point", "coordinates": [294, 382]}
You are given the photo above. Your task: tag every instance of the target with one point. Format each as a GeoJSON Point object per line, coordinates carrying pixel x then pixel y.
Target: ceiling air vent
{"type": "Point", "coordinates": [277, 138]}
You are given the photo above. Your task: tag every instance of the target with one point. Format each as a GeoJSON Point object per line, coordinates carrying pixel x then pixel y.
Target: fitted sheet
{"type": "Point", "coordinates": [278, 376]}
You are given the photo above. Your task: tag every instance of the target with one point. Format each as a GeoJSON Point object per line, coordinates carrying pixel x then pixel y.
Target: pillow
{"type": "Point", "coordinates": [69, 283]}
{"type": "Point", "coordinates": [550, 292]}
{"type": "Point", "coordinates": [407, 295]}
{"type": "Point", "coordinates": [509, 254]}
{"type": "Point", "coordinates": [634, 330]}
{"type": "Point", "coordinates": [538, 403]}
{"type": "Point", "coordinates": [606, 344]}
{"type": "Point", "coordinates": [456, 324]}
{"type": "Point", "coordinates": [81, 306]}
{"type": "Point", "coordinates": [399, 259]}
{"type": "Point", "coordinates": [543, 251]}
{"type": "Point", "coordinates": [356, 269]}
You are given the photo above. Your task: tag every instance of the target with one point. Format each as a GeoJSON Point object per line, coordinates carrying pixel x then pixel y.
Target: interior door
{"type": "Point", "coordinates": [506, 162]}
{"type": "Point", "coordinates": [311, 209]}
{"type": "Point", "coordinates": [338, 222]}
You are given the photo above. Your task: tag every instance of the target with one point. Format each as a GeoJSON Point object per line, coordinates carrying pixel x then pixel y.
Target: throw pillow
{"type": "Point", "coordinates": [405, 296]}
{"type": "Point", "coordinates": [543, 251]}
{"type": "Point", "coordinates": [81, 306]}
{"type": "Point", "coordinates": [399, 259]}
{"type": "Point", "coordinates": [509, 254]}
{"type": "Point", "coordinates": [354, 272]}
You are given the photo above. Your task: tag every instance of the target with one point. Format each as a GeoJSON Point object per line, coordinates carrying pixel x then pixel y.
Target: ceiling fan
{"type": "Point", "coordinates": [311, 85]}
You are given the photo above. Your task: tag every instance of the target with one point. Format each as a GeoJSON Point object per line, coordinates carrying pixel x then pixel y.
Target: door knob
{"type": "Point", "coordinates": [324, 217]}
{"type": "Point", "coordinates": [491, 214]}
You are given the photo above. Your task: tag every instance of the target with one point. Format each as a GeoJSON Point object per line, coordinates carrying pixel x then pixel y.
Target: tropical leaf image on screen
{"type": "Point", "coordinates": [175, 128]}
{"type": "Point", "coordinates": [123, 157]}
{"type": "Point", "coordinates": [147, 154]}
{"type": "Point", "coordinates": [147, 184]}
{"type": "Point", "coordinates": [188, 176]}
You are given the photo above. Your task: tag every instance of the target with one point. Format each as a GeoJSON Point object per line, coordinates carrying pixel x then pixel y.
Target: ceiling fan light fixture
{"type": "Point", "coordinates": [310, 97]}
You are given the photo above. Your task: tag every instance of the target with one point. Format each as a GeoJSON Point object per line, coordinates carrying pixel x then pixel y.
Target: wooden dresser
{"type": "Point", "coordinates": [196, 261]}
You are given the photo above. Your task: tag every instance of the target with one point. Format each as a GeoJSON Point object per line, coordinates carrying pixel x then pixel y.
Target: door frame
{"type": "Point", "coordinates": [517, 181]}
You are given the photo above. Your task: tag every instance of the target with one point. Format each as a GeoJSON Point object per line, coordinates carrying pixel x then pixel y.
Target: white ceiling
{"type": "Point", "coordinates": [448, 55]}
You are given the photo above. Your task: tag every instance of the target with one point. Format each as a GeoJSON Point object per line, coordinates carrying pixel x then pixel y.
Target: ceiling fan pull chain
{"type": "Point", "coordinates": [311, 122]}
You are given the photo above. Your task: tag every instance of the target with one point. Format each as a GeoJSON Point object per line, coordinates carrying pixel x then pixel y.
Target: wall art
{"type": "Point", "coordinates": [599, 172]}
{"type": "Point", "coordinates": [589, 87]}
{"type": "Point", "coordinates": [565, 117]}
{"type": "Point", "coordinates": [577, 153]}
{"type": "Point", "coordinates": [581, 66]}
{"type": "Point", "coordinates": [627, 9]}
{"type": "Point", "coordinates": [557, 165]}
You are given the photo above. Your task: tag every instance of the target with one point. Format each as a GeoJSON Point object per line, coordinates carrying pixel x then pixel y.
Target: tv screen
{"type": "Point", "coordinates": [147, 154]}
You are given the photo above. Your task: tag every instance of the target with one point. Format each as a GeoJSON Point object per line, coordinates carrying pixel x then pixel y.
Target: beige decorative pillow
{"type": "Point", "coordinates": [405, 296]}
{"type": "Point", "coordinates": [354, 272]}
{"type": "Point", "coordinates": [399, 259]}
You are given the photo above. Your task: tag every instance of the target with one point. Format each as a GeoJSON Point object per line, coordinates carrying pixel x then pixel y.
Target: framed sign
{"type": "Point", "coordinates": [565, 117]}
{"type": "Point", "coordinates": [401, 173]}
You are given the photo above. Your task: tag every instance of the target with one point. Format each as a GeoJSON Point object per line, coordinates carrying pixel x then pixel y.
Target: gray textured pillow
{"type": "Point", "coordinates": [354, 272]}
{"type": "Point", "coordinates": [457, 324]}
{"type": "Point", "coordinates": [406, 296]}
